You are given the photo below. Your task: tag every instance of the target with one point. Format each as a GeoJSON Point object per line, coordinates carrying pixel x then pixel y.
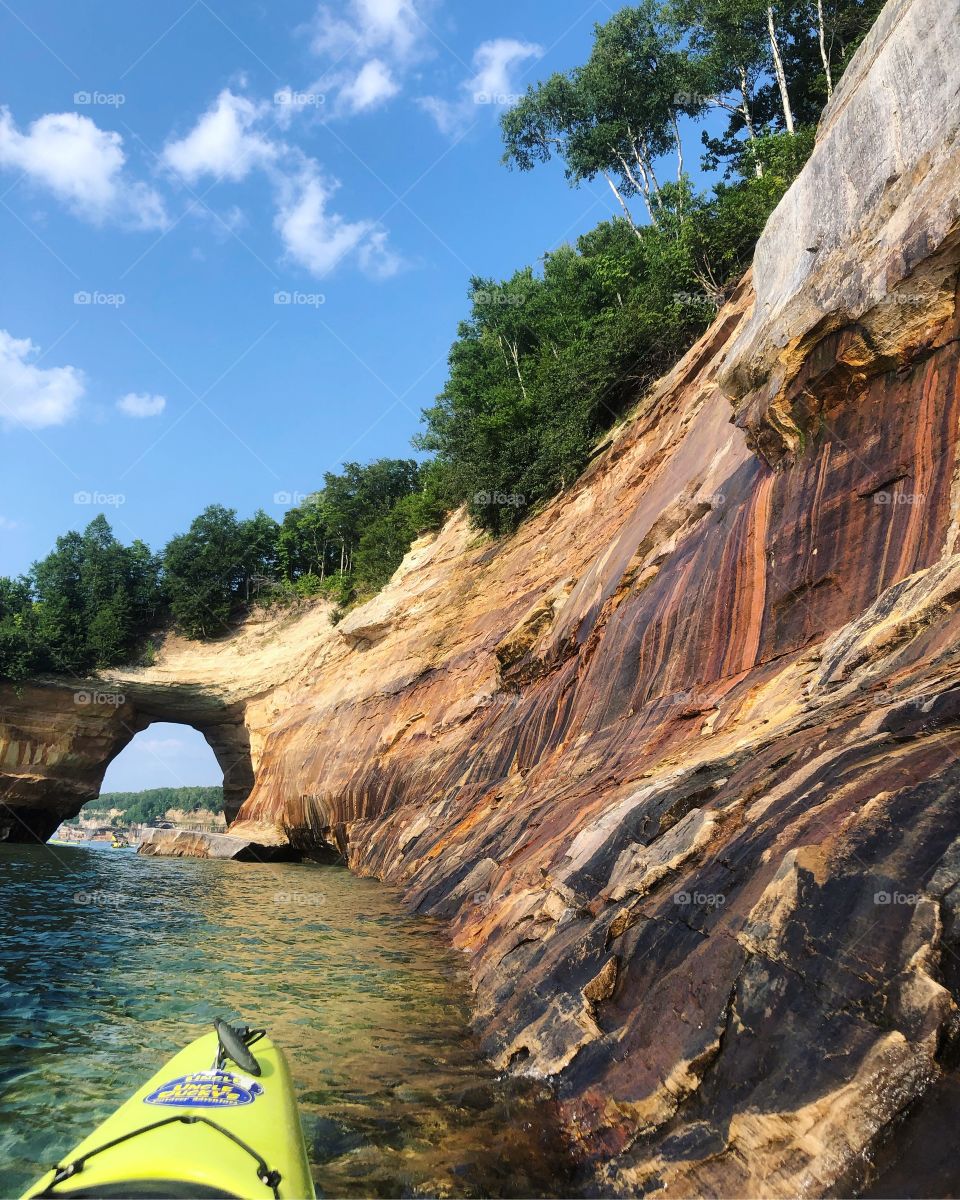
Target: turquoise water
{"type": "Point", "coordinates": [111, 962]}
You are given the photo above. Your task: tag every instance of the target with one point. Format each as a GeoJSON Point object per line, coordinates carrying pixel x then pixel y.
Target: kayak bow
{"type": "Point", "coordinates": [199, 1128]}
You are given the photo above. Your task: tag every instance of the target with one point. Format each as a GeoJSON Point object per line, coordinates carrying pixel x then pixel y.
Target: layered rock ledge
{"type": "Point", "coordinates": [679, 761]}
{"type": "Point", "coordinates": [184, 843]}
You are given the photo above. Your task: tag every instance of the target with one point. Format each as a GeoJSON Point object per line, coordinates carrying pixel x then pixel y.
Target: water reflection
{"type": "Point", "coordinates": [110, 962]}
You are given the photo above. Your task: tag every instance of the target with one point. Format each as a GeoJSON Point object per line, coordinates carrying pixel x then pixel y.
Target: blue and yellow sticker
{"type": "Point", "coordinates": [206, 1089]}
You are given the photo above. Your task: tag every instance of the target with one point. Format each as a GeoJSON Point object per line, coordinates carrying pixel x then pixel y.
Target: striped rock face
{"type": "Point", "coordinates": [679, 761]}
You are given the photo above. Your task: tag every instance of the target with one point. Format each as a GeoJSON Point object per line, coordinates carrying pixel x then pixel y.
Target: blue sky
{"type": "Point", "coordinates": [163, 756]}
{"type": "Point", "coordinates": [236, 241]}
{"type": "Point", "coordinates": [180, 167]}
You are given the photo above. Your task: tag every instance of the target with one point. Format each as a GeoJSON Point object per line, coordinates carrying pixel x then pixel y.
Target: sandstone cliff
{"type": "Point", "coordinates": [680, 760]}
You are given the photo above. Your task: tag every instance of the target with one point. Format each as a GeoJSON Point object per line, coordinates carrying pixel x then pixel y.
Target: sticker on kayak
{"type": "Point", "coordinates": [206, 1089]}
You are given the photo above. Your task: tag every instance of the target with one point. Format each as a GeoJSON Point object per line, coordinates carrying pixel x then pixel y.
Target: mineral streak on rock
{"type": "Point", "coordinates": [680, 760]}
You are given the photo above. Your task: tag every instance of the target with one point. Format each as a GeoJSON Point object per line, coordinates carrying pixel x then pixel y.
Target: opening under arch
{"type": "Point", "coordinates": [163, 755]}
{"type": "Point", "coordinates": [166, 775]}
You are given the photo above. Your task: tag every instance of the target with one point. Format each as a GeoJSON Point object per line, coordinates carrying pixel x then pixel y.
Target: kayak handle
{"type": "Point", "coordinates": [233, 1045]}
{"type": "Point", "coordinates": [269, 1178]}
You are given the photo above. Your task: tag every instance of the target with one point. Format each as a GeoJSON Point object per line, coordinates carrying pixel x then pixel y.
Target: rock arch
{"type": "Point", "coordinates": [57, 739]}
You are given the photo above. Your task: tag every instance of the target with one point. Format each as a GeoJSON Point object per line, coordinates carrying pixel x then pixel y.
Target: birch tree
{"type": "Point", "coordinates": [726, 40]}
{"type": "Point", "coordinates": [617, 116]}
{"type": "Point", "coordinates": [778, 71]}
{"type": "Point", "coordinates": [824, 52]}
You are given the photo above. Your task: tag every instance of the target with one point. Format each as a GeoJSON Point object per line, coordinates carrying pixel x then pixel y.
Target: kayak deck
{"type": "Point", "coordinates": [195, 1131]}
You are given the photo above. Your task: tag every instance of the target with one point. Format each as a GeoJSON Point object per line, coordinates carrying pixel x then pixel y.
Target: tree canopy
{"type": "Point", "coordinates": [549, 358]}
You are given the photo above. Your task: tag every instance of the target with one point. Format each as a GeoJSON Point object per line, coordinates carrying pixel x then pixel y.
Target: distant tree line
{"type": "Point", "coordinates": [153, 803]}
{"type": "Point", "coordinates": [548, 358]}
{"type": "Point", "coordinates": [93, 603]}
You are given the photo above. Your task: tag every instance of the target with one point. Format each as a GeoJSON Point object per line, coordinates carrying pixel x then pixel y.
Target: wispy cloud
{"type": "Point", "coordinates": [372, 86]}
{"type": "Point", "coordinates": [367, 48]}
{"type": "Point", "coordinates": [394, 27]}
{"type": "Point", "coordinates": [492, 83]}
{"type": "Point", "coordinates": [236, 135]}
{"type": "Point", "coordinates": [141, 405]}
{"type": "Point", "coordinates": [318, 238]}
{"type": "Point", "coordinates": [224, 141]}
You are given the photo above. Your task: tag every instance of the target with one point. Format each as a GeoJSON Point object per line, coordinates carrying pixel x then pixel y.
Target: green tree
{"type": "Point", "coordinates": [617, 115]}
{"type": "Point", "coordinates": [19, 652]}
{"type": "Point", "coordinates": [203, 573]}
{"type": "Point", "coordinates": [304, 541]}
{"type": "Point", "coordinates": [727, 44]}
{"type": "Point", "coordinates": [385, 541]}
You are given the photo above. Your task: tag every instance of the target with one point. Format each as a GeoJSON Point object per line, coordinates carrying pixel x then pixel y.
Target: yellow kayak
{"type": "Point", "coordinates": [218, 1120]}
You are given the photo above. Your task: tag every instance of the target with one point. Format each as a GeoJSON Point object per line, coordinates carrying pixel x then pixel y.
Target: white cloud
{"type": "Point", "coordinates": [82, 165]}
{"type": "Point", "coordinates": [223, 142]}
{"type": "Point", "coordinates": [141, 404]}
{"type": "Point", "coordinates": [67, 152]}
{"type": "Point", "coordinates": [493, 83]}
{"type": "Point", "coordinates": [312, 235]}
{"type": "Point", "coordinates": [145, 207]}
{"type": "Point", "coordinates": [495, 61]}
{"type": "Point", "coordinates": [392, 26]}
{"type": "Point", "coordinates": [369, 45]}
{"type": "Point", "coordinates": [229, 140]}
{"type": "Point", "coordinates": [377, 259]}
{"type": "Point", "coordinates": [7, 523]}
{"type": "Point", "coordinates": [35, 396]}
{"type": "Point", "coordinates": [450, 116]}
{"type": "Point", "coordinates": [373, 85]}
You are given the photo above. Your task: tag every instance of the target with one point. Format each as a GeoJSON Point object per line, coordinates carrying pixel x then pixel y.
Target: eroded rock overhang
{"type": "Point", "coordinates": [58, 737]}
